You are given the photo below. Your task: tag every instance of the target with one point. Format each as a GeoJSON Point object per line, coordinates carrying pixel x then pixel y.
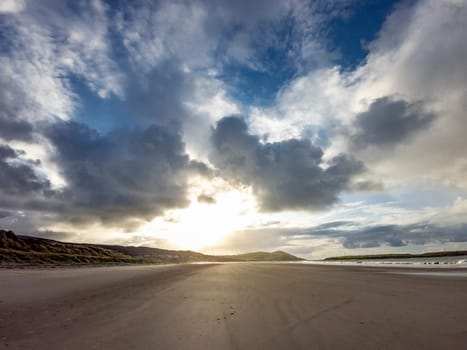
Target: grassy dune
{"type": "Point", "coordinates": [16, 249]}
{"type": "Point", "coordinates": [24, 250]}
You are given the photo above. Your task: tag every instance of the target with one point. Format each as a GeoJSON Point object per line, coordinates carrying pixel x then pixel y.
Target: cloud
{"type": "Point", "coordinates": [204, 198]}
{"type": "Point", "coordinates": [13, 124]}
{"type": "Point", "coordinates": [154, 32]}
{"type": "Point", "coordinates": [283, 175]}
{"type": "Point", "coordinates": [46, 46]}
{"type": "Point", "coordinates": [334, 224]}
{"type": "Point", "coordinates": [312, 104]}
{"type": "Point", "coordinates": [207, 33]}
{"type": "Point", "coordinates": [405, 102]}
{"type": "Point", "coordinates": [400, 64]}
{"type": "Point", "coordinates": [403, 235]}
{"type": "Point", "coordinates": [234, 39]}
{"type": "Point", "coordinates": [123, 175]}
{"type": "Point", "coordinates": [460, 206]}
{"type": "Point", "coordinates": [5, 214]}
{"type": "Point", "coordinates": [367, 186]}
{"type": "Point", "coordinates": [159, 95]}
{"type": "Point", "coordinates": [119, 179]}
{"type": "Point", "coordinates": [353, 235]}
{"type": "Point", "coordinates": [15, 129]}
{"type": "Point", "coordinates": [389, 122]}
{"type": "Point", "coordinates": [252, 240]}
{"type": "Point", "coordinates": [54, 235]}
{"type": "Point", "coordinates": [175, 69]}
{"type": "Point", "coordinates": [374, 237]}
{"type": "Point", "coordinates": [208, 103]}
{"type": "Point", "coordinates": [17, 177]}
{"type": "Point", "coordinates": [12, 6]}
{"type": "Point", "coordinates": [345, 236]}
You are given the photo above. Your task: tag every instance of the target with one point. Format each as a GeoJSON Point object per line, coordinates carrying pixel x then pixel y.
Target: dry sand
{"type": "Point", "coordinates": [231, 306]}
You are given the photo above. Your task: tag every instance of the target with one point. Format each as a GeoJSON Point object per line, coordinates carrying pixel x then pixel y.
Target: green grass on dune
{"type": "Point", "coordinates": [24, 250]}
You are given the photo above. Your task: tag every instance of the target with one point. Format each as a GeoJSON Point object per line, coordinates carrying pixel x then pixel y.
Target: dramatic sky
{"type": "Point", "coordinates": [321, 127]}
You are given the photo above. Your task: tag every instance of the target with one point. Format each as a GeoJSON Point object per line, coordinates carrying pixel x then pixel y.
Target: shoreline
{"type": "Point", "coordinates": [363, 264]}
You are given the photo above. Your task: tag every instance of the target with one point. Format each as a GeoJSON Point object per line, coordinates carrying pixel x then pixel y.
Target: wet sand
{"type": "Point", "coordinates": [231, 306]}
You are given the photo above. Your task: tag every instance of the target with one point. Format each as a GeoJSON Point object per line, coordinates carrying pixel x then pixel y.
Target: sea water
{"type": "Point", "coordinates": [444, 261]}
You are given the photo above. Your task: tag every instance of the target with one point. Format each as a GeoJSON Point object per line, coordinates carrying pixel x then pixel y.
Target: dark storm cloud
{"type": "Point", "coordinates": [17, 176]}
{"type": "Point", "coordinates": [387, 235]}
{"type": "Point", "coordinates": [375, 236]}
{"type": "Point", "coordinates": [23, 188]}
{"type": "Point", "coordinates": [388, 122]}
{"type": "Point", "coordinates": [353, 235]}
{"type": "Point", "coordinates": [367, 186]}
{"type": "Point", "coordinates": [126, 174]}
{"type": "Point", "coordinates": [283, 175]}
{"type": "Point", "coordinates": [334, 224]}
{"type": "Point", "coordinates": [158, 96]}
{"type": "Point", "coordinates": [5, 214]}
{"type": "Point", "coordinates": [204, 198]}
{"type": "Point", "coordinates": [12, 127]}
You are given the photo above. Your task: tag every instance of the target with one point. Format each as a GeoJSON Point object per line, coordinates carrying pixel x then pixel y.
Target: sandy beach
{"type": "Point", "coordinates": [231, 306]}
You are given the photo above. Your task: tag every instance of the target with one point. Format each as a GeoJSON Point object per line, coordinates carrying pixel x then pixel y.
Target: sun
{"type": "Point", "coordinates": [203, 224]}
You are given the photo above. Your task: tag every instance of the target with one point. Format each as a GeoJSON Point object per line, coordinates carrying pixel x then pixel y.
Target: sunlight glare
{"type": "Point", "coordinates": [204, 224]}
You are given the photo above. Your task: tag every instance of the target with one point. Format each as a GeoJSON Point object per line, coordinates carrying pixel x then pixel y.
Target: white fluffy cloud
{"type": "Point", "coordinates": [12, 6]}
{"type": "Point", "coordinates": [208, 103]}
{"type": "Point", "coordinates": [314, 101]}
{"type": "Point", "coordinates": [153, 33]}
{"type": "Point", "coordinates": [48, 43]}
{"type": "Point", "coordinates": [420, 55]}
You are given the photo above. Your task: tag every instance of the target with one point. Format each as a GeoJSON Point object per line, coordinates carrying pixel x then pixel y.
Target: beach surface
{"type": "Point", "coordinates": [232, 306]}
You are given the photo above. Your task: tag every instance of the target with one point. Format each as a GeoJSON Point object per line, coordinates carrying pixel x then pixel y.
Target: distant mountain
{"type": "Point", "coordinates": [265, 256]}
{"type": "Point", "coordinates": [188, 255]}
{"type": "Point", "coordinates": [16, 249]}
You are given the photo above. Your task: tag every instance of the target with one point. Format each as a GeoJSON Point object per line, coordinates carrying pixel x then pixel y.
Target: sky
{"type": "Point", "coordinates": [322, 127]}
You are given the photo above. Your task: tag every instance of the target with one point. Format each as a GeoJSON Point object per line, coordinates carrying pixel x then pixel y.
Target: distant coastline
{"type": "Point", "coordinates": [398, 256]}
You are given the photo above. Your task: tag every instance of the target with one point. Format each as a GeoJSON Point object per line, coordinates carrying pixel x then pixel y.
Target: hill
{"type": "Point", "coordinates": [188, 255]}
{"type": "Point", "coordinates": [32, 250]}
{"type": "Point", "coordinates": [265, 256]}
{"type": "Point", "coordinates": [16, 249]}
